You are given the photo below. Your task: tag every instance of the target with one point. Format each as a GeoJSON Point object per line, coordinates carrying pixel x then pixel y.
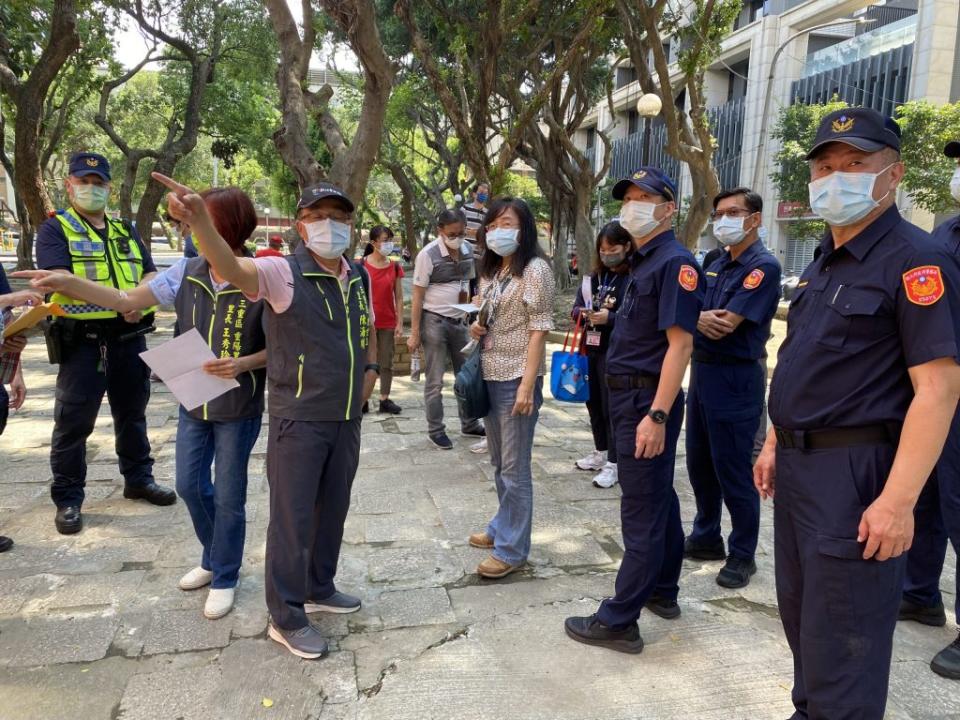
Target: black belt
{"type": "Point", "coordinates": [710, 358]}
{"type": "Point", "coordinates": [457, 320]}
{"type": "Point", "coordinates": [633, 382]}
{"type": "Point", "coordinates": [833, 438]}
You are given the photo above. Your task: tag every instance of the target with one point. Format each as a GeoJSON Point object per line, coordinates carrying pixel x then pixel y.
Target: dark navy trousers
{"type": "Point", "coordinates": [723, 414]}
{"type": "Point", "coordinates": [81, 382]}
{"type": "Point", "coordinates": [838, 610]}
{"type": "Point", "coordinates": [310, 470]}
{"type": "Point", "coordinates": [937, 519]}
{"type": "Point", "coordinates": [649, 512]}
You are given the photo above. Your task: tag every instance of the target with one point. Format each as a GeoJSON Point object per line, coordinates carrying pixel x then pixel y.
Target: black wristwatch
{"type": "Point", "coordinates": [658, 416]}
{"type": "Point", "coordinates": [372, 366]}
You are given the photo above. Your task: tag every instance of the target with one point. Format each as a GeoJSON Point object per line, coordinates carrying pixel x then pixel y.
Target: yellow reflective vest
{"type": "Point", "coordinates": [118, 262]}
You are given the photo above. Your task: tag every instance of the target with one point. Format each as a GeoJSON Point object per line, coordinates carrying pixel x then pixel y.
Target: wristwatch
{"type": "Point", "coordinates": [372, 366]}
{"type": "Point", "coordinates": [658, 416]}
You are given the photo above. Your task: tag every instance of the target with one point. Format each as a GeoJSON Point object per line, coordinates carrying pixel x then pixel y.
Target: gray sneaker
{"type": "Point", "coordinates": [305, 642]}
{"type": "Point", "coordinates": [337, 603]}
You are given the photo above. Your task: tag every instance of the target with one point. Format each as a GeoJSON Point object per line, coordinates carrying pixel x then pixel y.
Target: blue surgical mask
{"type": "Point", "coordinates": [482, 197]}
{"type": "Point", "coordinates": [327, 238]}
{"type": "Point", "coordinates": [843, 198]}
{"type": "Point", "coordinates": [503, 241]}
{"type": "Point", "coordinates": [386, 248]}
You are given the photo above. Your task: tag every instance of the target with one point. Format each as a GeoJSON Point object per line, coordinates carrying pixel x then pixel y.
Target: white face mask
{"type": "Point", "coordinates": [453, 243]}
{"type": "Point", "coordinates": [637, 218]}
{"type": "Point", "coordinates": [955, 185]}
{"type": "Point", "coordinates": [91, 198]}
{"type": "Point", "coordinates": [843, 198]}
{"type": "Point", "coordinates": [729, 230]}
{"type": "Point", "coordinates": [327, 238]}
{"type": "Point", "coordinates": [386, 248]}
{"type": "Point", "coordinates": [503, 241]}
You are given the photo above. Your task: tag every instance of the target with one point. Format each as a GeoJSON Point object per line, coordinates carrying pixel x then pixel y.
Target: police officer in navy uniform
{"type": "Point", "coordinates": [97, 349]}
{"type": "Point", "coordinates": [727, 386]}
{"type": "Point", "coordinates": [937, 513]}
{"type": "Point", "coordinates": [649, 350]}
{"type": "Point", "coordinates": [861, 400]}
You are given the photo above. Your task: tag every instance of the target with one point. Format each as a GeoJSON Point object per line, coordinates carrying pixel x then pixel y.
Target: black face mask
{"type": "Point", "coordinates": [612, 261]}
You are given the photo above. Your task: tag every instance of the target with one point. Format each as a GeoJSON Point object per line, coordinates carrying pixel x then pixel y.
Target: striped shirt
{"type": "Point", "coordinates": [474, 216]}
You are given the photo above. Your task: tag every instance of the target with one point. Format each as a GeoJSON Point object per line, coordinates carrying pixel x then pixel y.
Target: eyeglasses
{"type": "Point", "coordinates": [733, 212]}
{"type": "Point", "coordinates": [334, 215]}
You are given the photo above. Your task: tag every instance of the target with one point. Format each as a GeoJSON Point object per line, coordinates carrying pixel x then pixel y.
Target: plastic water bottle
{"type": "Point", "coordinates": [415, 366]}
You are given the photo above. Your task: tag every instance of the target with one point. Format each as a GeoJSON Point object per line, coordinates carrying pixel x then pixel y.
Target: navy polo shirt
{"type": "Point", "coordinates": [664, 289]}
{"type": "Point", "coordinates": [54, 254]}
{"type": "Point", "coordinates": [862, 315]}
{"type": "Point", "coordinates": [750, 287]}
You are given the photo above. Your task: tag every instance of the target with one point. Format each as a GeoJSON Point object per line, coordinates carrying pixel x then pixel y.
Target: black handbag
{"type": "Point", "coordinates": [470, 388]}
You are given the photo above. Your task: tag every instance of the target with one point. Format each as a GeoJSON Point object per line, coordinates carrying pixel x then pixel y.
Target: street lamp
{"type": "Point", "coordinates": [266, 212]}
{"type": "Point", "coordinates": [758, 164]}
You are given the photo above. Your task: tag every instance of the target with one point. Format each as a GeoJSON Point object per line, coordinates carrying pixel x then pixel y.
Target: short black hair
{"type": "Point", "coordinates": [529, 248]}
{"type": "Point", "coordinates": [476, 187]}
{"type": "Point", "coordinates": [752, 200]}
{"type": "Point", "coordinates": [451, 216]}
{"type": "Point", "coordinates": [377, 230]}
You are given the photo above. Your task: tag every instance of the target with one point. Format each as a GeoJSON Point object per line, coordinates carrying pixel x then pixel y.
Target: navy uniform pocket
{"type": "Point", "coordinates": [854, 320]}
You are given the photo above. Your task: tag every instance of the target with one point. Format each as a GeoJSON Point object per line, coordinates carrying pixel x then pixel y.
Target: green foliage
{"type": "Point", "coordinates": [795, 129]}
{"type": "Point", "coordinates": [525, 187]}
{"type": "Point", "coordinates": [926, 129]}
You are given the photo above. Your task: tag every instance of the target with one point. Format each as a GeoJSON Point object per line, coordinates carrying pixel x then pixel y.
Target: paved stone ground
{"type": "Point", "coordinates": [93, 626]}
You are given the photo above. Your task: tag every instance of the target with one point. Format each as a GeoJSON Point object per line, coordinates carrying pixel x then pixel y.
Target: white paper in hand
{"type": "Point", "coordinates": [179, 363]}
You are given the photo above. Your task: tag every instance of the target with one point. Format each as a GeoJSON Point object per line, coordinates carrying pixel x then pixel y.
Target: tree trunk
{"type": "Point", "coordinates": [152, 195]}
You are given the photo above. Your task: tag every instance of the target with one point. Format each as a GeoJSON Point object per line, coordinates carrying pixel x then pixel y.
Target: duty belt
{"type": "Point", "coordinates": [702, 356]}
{"type": "Point", "coordinates": [632, 382]}
{"type": "Point", "coordinates": [833, 438]}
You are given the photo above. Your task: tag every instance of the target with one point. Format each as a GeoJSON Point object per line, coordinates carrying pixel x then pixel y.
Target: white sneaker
{"type": "Point", "coordinates": [219, 602]}
{"type": "Point", "coordinates": [478, 448]}
{"type": "Point", "coordinates": [195, 579]}
{"type": "Point", "coordinates": [594, 461]}
{"type": "Point", "coordinates": [607, 477]}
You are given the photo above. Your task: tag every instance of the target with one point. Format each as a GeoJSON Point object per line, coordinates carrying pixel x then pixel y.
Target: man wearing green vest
{"type": "Point", "coordinates": [97, 349]}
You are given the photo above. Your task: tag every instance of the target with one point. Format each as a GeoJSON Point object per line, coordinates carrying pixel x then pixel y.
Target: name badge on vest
{"type": "Point", "coordinates": [593, 338]}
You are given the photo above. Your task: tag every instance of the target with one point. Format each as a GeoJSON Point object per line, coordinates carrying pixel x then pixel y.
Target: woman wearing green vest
{"type": "Point", "coordinates": [225, 429]}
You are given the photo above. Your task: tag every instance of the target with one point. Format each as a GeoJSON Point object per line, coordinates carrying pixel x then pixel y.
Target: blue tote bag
{"type": "Point", "coordinates": [569, 379]}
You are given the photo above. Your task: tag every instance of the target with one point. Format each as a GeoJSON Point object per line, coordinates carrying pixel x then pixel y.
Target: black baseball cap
{"type": "Point", "coordinates": [863, 128]}
{"type": "Point", "coordinates": [952, 149]}
{"type": "Point", "coordinates": [88, 163]}
{"type": "Point", "coordinates": [647, 178]}
{"type": "Point", "coordinates": [315, 193]}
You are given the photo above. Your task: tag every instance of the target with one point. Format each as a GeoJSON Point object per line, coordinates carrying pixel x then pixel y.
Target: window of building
{"type": "Point", "coordinates": [633, 122]}
{"type": "Point", "coordinates": [625, 76]}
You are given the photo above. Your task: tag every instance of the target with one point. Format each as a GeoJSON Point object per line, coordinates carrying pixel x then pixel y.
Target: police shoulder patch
{"type": "Point", "coordinates": [688, 278]}
{"type": "Point", "coordinates": [924, 284]}
{"type": "Point", "coordinates": [754, 279]}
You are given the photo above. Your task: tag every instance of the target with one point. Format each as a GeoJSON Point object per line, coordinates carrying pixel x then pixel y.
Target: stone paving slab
{"type": "Point", "coordinates": [97, 618]}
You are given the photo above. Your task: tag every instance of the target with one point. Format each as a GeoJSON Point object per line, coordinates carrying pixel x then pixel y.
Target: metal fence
{"type": "Point", "coordinates": [631, 152]}
{"type": "Point", "coordinates": [726, 124]}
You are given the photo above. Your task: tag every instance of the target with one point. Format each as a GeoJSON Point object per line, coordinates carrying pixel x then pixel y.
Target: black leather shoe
{"type": "Point", "coordinates": [5, 543]}
{"type": "Point", "coordinates": [946, 663]}
{"type": "Point", "coordinates": [934, 616]}
{"type": "Point", "coordinates": [590, 631]}
{"type": "Point", "coordinates": [736, 573]}
{"type": "Point", "coordinates": [69, 520]}
{"type": "Point", "coordinates": [695, 551]}
{"type": "Point", "coordinates": [667, 609]}
{"type": "Point", "coordinates": [389, 406]}
{"type": "Point", "coordinates": [152, 493]}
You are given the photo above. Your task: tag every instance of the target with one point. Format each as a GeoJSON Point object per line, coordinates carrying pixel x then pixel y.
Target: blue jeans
{"type": "Point", "coordinates": [510, 441]}
{"type": "Point", "coordinates": [217, 505]}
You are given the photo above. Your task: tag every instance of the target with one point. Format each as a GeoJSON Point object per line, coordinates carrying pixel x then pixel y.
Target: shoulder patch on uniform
{"type": "Point", "coordinates": [924, 284]}
{"type": "Point", "coordinates": [688, 278]}
{"type": "Point", "coordinates": [754, 279]}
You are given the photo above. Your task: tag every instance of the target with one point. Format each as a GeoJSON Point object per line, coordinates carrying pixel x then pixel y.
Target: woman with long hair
{"type": "Point", "coordinates": [598, 313]}
{"type": "Point", "coordinates": [223, 431]}
{"type": "Point", "coordinates": [518, 282]}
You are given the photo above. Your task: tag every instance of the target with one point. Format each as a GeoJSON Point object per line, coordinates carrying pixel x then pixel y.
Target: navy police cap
{"type": "Point", "coordinates": [647, 178]}
{"type": "Point", "coordinates": [863, 128]}
{"type": "Point", "coordinates": [88, 163]}
{"type": "Point", "coordinates": [315, 193]}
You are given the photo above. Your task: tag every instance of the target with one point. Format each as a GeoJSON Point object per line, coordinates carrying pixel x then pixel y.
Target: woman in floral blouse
{"type": "Point", "coordinates": [518, 281]}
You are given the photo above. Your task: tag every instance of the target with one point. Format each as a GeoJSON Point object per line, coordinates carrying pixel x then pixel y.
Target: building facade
{"type": "Point", "coordinates": [886, 54]}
